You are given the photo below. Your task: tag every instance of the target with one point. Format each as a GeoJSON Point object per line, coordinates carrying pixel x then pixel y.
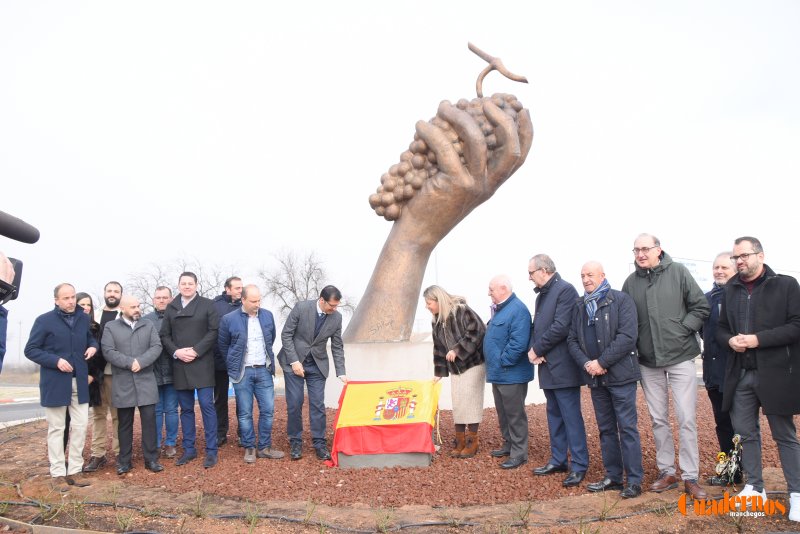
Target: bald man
{"type": "Point", "coordinates": [602, 341]}
{"type": "Point", "coordinates": [131, 346]}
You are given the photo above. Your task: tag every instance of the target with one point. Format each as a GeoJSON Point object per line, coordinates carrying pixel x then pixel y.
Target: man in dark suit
{"type": "Point", "coordinates": [304, 358]}
{"type": "Point", "coordinates": [189, 333]}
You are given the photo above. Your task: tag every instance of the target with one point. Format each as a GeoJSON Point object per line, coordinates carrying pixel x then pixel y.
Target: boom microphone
{"type": "Point", "coordinates": [17, 229]}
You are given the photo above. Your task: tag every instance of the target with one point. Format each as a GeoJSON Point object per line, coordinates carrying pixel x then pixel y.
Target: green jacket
{"type": "Point", "coordinates": [671, 308]}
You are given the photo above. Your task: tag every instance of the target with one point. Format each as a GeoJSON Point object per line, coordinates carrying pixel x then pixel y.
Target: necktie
{"type": "Point", "coordinates": [318, 325]}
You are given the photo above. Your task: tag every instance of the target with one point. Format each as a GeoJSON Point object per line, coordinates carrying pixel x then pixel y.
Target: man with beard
{"type": "Point", "coordinates": [167, 406]}
{"type": "Point", "coordinates": [189, 333]}
{"type": "Point", "coordinates": [60, 342]}
{"type": "Point", "coordinates": [760, 321]}
{"type": "Point", "coordinates": [131, 346]}
{"type": "Point", "coordinates": [100, 369]}
{"type": "Point", "coordinates": [229, 301]}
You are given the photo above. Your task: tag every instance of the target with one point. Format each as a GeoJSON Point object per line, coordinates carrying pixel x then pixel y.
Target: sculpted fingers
{"type": "Point", "coordinates": [525, 130]}
{"type": "Point", "coordinates": [508, 150]}
{"type": "Point", "coordinates": [472, 141]}
{"type": "Point", "coordinates": [446, 155]}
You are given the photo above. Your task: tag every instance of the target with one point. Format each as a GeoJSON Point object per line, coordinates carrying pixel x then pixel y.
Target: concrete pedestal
{"type": "Point", "coordinates": [412, 360]}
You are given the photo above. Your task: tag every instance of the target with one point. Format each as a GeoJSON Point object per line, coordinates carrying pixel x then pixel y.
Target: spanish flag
{"type": "Point", "coordinates": [385, 418]}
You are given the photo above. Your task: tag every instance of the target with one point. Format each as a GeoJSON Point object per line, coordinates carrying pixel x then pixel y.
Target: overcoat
{"type": "Point", "coordinates": [194, 326]}
{"type": "Point", "coordinates": [121, 346]}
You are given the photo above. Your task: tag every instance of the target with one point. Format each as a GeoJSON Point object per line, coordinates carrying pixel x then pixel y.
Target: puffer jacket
{"type": "Point", "coordinates": [232, 340]}
{"type": "Point", "coordinates": [671, 309]}
{"type": "Point", "coordinates": [616, 328]}
{"type": "Point", "coordinates": [505, 345]}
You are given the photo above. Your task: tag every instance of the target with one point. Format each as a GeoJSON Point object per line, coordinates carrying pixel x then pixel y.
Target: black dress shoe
{"type": "Point", "coordinates": [573, 479]}
{"type": "Point", "coordinates": [513, 463]}
{"type": "Point", "coordinates": [186, 458]}
{"type": "Point", "coordinates": [631, 491]}
{"type": "Point", "coordinates": [122, 469]}
{"type": "Point", "coordinates": [322, 453]}
{"type": "Point", "coordinates": [155, 467]}
{"type": "Point", "coordinates": [500, 453]}
{"type": "Point", "coordinates": [210, 461]}
{"type": "Point", "coordinates": [295, 451]}
{"type": "Point", "coordinates": [604, 485]}
{"type": "Point", "coordinates": [550, 469]}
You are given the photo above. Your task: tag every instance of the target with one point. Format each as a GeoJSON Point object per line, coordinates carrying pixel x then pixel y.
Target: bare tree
{"type": "Point", "coordinates": [210, 278]}
{"type": "Point", "coordinates": [296, 279]}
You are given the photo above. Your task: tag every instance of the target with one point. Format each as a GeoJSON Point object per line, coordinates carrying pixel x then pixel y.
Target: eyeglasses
{"type": "Point", "coordinates": [333, 305]}
{"type": "Point", "coordinates": [643, 250]}
{"type": "Point", "coordinates": [530, 273]}
{"type": "Point", "coordinates": [743, 257]}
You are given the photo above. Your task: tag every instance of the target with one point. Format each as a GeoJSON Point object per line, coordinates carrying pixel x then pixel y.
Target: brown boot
{"type": "Point", "coordinates": [472, 445]}
{"type": "Point", "coordinates": [459, 445]}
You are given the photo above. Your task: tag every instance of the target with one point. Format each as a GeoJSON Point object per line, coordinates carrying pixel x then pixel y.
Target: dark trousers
{"type": "Point", "coordinates": [615, 411]}
{"type": "Point", "coordinates": [567, 431]}
{"type": "Point", "coordinates": [724, 427]}
{"type": "Point", "coordinates": [744, 414]}
{"type": "Point", "coordinates": [147, 418]}
{"type": "Point", "coordinates": [315, 383]}
{"type": "Point", "coordinates": [509, 402]}
{"type": "Point", "coordinates": [205, 397]}
{"type": "Point", "coordinates": [221, 404]}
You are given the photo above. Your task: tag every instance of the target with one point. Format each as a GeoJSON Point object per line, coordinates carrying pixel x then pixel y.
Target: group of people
{"type": "Point", "coordinates": [610, 340]}
{"type": "Point", "coordinates": [116, 361]}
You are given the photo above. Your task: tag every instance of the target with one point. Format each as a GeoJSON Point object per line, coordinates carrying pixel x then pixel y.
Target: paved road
{"type": "Point", "coordinates": [20, 410]}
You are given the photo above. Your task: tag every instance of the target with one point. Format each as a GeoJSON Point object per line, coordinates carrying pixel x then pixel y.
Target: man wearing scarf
{"type": "Point", "coordinates": [602, 341]}
{"type": "Point", "coordinates": [60, 342]}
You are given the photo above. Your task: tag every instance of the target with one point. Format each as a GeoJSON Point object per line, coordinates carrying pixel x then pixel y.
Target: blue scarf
{"type": "Point", "coordinates": [590, 299]}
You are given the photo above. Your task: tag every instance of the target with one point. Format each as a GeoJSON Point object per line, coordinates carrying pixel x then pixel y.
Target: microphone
{"type": "Point", "coordinates": [17, 229]}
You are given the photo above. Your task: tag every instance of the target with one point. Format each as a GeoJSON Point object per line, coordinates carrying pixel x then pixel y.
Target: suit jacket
{"type": "Point", "coordinates": [123, 344]}
{"type": "Point", "coordinates": [298, 339]}
{"type": "Point", "coordinates": [194, 326]}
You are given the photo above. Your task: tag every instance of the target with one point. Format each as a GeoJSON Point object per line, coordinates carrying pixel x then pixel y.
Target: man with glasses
{"type": "Point", "coordinates": [671, 308]}
{"type": "Point", "coordinates": [559, 376]}
{"type": "Point", "coordinates": [304, 360]}
{"type": "Point", "coordinates": [760, 321]}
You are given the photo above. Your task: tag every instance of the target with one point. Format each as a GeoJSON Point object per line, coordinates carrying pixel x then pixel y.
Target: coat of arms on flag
{"type": "Point", "coordinates": [386, 419]}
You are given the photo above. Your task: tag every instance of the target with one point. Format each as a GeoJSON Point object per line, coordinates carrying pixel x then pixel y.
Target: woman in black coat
{"type": "Point", "coordinates": [84, 300]}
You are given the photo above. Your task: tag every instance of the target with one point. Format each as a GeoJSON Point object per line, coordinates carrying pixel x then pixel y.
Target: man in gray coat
{"type": "Point", "coordinates": [131, 346]}
{"type": "Point", "coordinates": [304, 359]}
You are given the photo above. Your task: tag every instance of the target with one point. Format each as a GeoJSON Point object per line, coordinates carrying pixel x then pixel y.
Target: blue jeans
{"type": "Point", "coordinates": [205, 396]}
{"type": "Point", "coordinates": [315, 382]}
{"type": "Point", "coordinates": [256, 382]}
{"type": "Point", "coordinates": [167, 413]}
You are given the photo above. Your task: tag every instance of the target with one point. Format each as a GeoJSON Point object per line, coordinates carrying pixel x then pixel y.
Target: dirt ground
{"type": "Point", "coordinates": [452, 495]}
